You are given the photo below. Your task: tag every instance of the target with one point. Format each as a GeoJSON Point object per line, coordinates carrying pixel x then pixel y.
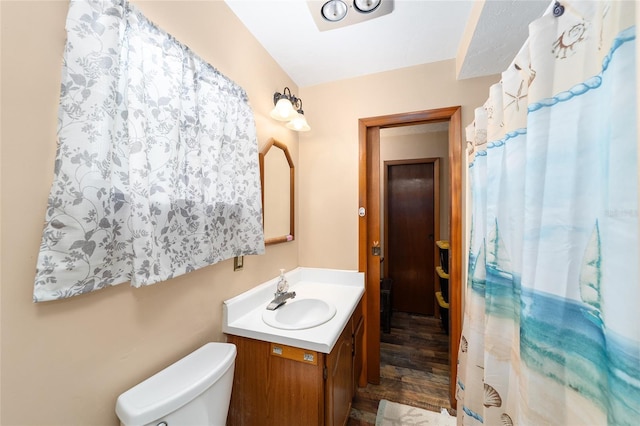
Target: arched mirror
{"type": "Point", "coordinates": [277, 176]}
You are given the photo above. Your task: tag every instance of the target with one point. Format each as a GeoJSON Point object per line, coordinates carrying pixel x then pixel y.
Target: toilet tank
{"type": "Point", "coordinates": [195, 390]}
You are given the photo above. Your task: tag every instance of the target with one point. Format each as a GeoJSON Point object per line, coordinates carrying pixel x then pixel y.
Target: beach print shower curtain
{"type": "Point", "coordinates": [551, 330]}
{"type": "Point", "coordinates": [157, 172]}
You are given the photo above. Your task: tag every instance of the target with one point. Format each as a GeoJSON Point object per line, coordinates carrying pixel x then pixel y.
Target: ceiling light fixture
{"type": "Point", "coordinates": [332, 14]}
{"type": "Point", "coordinates": [288, 107]}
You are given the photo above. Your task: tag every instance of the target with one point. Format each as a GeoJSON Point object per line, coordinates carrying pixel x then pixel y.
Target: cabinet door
{"type": "Point", "coordinates": [294, 388]}
{"type": "Point", "coordinates": [357, 322]}
{"type": "Point", "coordinates": [358, 353]}
{"type": "Point", "coordinates": [275, 387]}
{"type": "Point", "coordinates": [339, 386]}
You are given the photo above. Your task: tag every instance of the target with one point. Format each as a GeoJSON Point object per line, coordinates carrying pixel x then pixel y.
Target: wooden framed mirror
{"type": "Point", "coordinates": [277, 175]}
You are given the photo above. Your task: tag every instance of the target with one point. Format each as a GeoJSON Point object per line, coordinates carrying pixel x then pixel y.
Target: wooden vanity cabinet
{"type": "Point", "coordinates": [276, 384]}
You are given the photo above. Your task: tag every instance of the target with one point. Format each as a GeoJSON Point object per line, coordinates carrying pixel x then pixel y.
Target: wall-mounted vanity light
{"type": "Point", "coordinates": [288, 107]}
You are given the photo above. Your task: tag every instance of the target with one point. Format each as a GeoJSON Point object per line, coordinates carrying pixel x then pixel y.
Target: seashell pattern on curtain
{"type": "Point", "coordinates": [550, 331]}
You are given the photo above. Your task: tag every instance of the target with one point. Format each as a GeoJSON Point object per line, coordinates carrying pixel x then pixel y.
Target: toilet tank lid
{"type": "Point", "coordinates": [176, 385]}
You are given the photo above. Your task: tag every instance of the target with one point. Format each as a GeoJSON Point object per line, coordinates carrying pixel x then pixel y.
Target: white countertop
{"type": "Point", "coordinates": [242, 315]}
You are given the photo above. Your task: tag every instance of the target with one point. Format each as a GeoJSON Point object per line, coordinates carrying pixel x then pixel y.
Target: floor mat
{"type": "Point", "coordinates": [394, 414]}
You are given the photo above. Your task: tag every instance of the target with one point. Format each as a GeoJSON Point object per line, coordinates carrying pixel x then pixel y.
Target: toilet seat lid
{"type": "Point", "coordinates": [176, 385]}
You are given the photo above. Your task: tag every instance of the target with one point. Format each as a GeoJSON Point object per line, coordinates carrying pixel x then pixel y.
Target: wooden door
{"type": "Point", "coordinates": [410, 221]}
{"type": "Point", "coordinates": [369, 229]}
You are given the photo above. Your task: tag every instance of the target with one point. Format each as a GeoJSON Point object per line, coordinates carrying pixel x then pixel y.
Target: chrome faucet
{"type": "Point", "coordinates": [281, 295]}
{"type": "Point", "coordinates": [280, 299]}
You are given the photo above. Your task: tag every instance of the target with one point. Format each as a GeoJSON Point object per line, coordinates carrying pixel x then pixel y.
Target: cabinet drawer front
{"type": "Point", "coordinates": [294, 354]}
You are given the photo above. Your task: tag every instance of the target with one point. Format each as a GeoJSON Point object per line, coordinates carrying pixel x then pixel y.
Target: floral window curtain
{"type": "Point", "coordinates": [156, 173]}
{"type": "Point", "coordinates": [550, 332]}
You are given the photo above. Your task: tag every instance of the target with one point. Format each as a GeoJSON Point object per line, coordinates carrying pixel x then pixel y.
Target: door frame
{"type": "Point", "coordinates": [369, 230]}
{"type": "Point", "coordinates": [436, 209]}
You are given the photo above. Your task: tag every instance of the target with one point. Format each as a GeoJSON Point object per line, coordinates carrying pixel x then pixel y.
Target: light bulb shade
{"type": "Point", "coordinates": [366, 6]}
{"type": "Point", "coordinates": [283, 111]}
{"type": "Point", "coordinates": [334, 10]}
{"type": "Point", "coordinates": [298, 123]}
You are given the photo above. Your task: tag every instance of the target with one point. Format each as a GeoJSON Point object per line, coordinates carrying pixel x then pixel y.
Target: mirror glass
{"type": "Point", "coordinates": [277, 175]}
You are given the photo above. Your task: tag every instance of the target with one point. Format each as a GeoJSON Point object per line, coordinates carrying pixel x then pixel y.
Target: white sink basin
{"type": "Point", "coordinates": [300, 314]}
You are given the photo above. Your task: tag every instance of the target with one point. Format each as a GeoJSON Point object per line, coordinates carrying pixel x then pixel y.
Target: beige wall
{"type": "Point", "coordinates": [65, 362]}
{"type": "Point", "coordinates": [329, 158]}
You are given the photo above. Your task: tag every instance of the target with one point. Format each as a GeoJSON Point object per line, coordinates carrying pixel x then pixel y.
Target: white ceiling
{"type": "Point", "coordinates": [416, 32]}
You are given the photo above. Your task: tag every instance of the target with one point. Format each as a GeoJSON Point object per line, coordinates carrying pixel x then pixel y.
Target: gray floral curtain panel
{"type": "Point", "coordinates": [156, 173]}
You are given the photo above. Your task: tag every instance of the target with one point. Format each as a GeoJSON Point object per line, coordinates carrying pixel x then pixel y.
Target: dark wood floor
{"type": "Point", "coordinates": [414, 369]}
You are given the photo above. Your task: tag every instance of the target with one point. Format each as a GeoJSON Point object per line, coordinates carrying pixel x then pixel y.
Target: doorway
{"type": "Point", "coordinates": [369, 229]}
{"type": "Point", "coordinates": [411, 210]}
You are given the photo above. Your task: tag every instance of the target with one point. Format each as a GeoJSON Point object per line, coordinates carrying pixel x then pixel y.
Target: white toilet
{"type": "Point", "coordinates": [195, 390]}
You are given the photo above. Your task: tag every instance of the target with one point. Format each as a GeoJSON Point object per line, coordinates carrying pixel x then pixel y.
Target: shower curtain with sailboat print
{"type": "Point", "coordinates": [551, 330]}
